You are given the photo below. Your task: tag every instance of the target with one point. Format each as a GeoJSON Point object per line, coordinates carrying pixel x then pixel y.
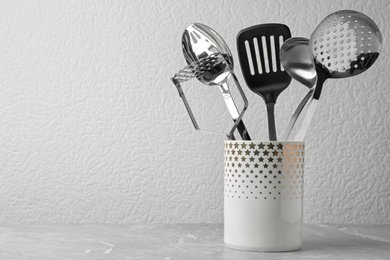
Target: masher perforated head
{"type": "Point", "coordinates": [197, 68]}
{"type": "Point", "coordinates": [346, 43]}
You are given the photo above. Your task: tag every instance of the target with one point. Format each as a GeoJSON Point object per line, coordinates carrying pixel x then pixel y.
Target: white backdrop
{"type": "Point", "coordinates": [92, 129]}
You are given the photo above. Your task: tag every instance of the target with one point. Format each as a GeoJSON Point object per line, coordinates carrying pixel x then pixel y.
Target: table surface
{"type": "Point", "coordinates": [181, 241]}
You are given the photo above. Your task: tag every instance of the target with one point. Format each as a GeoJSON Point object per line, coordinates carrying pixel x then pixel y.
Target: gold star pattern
{"type": "Point", "coordinates": [251, 158]}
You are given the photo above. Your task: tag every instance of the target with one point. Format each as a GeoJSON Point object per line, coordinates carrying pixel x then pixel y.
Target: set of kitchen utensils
{"type": "Point", "coordinates": [344, 44]}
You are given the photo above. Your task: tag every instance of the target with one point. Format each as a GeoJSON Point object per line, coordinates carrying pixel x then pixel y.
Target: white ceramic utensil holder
{"type": "Point", "coordinates": [263, 195]}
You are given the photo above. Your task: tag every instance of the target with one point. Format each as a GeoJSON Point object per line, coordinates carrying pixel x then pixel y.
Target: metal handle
{"type": "Point", "coordinates": [232, 108]}
{"type": "Point", "coordinates": [306, 122]}
{"type": "Point", "coordinates": [297, 113]}
{"type": "Point", "coordinates": [322, 77]}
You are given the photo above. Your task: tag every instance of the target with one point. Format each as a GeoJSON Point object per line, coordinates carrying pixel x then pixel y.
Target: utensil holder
{"type": "Point", "coordinates": [263, 195]}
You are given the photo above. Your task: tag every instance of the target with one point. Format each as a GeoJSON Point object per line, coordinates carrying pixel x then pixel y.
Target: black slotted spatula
{"type": "Point", "coordinates": [258, 52]}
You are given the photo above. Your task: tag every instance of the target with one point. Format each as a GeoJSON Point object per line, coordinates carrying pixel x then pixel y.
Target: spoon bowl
{"type": "Point", "coordinates": [200, 41]}
{"type": "Point", "coordinates": [297, 61]}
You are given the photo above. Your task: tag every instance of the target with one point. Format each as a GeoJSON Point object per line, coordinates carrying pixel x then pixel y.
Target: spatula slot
{"type": "Point", "coordinates": [281, 41]}
{"type": "Point", "coordinates": [273, 54]}
{"type": "Point", "coordinates": [258, 59]}
{"type": "Point", "coordinates": [265, 54]}
{"type": "Point", "coordinates": [249, 58]}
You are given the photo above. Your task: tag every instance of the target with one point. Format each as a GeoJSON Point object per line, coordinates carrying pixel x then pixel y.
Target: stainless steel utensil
{"type": "Point", "coordinates": [344, 44]}
{"type": "Point", "coordinates": [297, 61]}
{"type": "Point", "coordinates": [210, 64]}
{"type": "Point", "coordinates": [199, 41]}
{"type": "Point", "coordinates": [258, 51]}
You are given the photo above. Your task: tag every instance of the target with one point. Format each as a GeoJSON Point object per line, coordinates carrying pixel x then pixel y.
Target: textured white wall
{"type": "Point", "coordinates": [92, 130]}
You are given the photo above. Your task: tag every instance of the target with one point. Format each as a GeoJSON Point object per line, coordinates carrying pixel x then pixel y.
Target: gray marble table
{"type": "Point", "coordinates": [181, 241]}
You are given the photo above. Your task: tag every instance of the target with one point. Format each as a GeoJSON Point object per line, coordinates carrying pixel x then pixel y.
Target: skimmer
{"type": "Point", "coordinates": [344, 44]}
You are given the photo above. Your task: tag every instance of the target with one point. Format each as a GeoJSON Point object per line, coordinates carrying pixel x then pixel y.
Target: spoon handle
{"type": "Point", "coordinates": [306, 122]}
{"type": "Point", "coordinates": [322, 77]}
{"type": "Point", "coordinates": [297, 113]}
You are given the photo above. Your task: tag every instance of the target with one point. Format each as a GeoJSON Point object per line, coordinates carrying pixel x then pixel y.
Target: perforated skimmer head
{"type": "Point", "coordinates": [345, 43]}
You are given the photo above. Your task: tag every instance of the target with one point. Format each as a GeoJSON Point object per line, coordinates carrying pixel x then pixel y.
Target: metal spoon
{"type": "Point", "coordinates": [199, 41]}
{"type": "Point", "coordinates": [345, 44]}
{"type": "Point", "coordinates": [298, 63]}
